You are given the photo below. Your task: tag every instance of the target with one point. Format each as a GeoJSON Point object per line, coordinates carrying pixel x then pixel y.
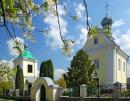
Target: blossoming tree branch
{"type": "Point", "coordinates": [21, 12]}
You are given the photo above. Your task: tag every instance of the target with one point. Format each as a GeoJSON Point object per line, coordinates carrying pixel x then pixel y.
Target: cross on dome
{"type": "Point", "coordinates": [107, 8]}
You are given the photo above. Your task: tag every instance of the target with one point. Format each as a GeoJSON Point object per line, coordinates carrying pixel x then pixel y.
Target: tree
{"type": "Point", "coordinates": [20, 13]}
{"type": "Point", "coordinates": [80, 72]}
{"type": "Point", "coordinates": [6, 73]}
{"type": "Point", "coordinates": [6, 77]}
{"type": "Point", "coordinates": [46, 69]}
{"type": "Point", "coordinates": [19, 80]}
{"type": "Point", "coordinates": [61, 82]}
{"type": "Point", "coordinates": [5, 86]}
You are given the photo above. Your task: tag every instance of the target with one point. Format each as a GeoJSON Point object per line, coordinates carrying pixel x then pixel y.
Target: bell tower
{"type": "Point", "coordinates": [29, 65]}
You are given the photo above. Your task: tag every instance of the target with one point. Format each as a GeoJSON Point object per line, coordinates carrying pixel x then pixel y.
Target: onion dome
{"type": "Point", "coordinates": [106, 21]}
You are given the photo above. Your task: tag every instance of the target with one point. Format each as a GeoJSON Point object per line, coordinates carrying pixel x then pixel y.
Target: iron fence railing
{"type": "Point", "coordinates": [107, 90]}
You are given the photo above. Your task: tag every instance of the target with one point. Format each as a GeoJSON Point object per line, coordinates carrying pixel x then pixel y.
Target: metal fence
{"type": "Point", "coordinates": [71, 91]}
{"type": "Point", "coordinates": [15, 92]}
{"type": "Point", "coordinates": [108, 90]}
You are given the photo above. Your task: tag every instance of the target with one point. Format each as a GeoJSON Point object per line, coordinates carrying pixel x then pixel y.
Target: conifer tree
{"type": "Point", "coordinates": [80, 72]}
{"type": "Point", "coordinates": [46, 69]}
{"type": "Point", "coordinates": [19, 81]}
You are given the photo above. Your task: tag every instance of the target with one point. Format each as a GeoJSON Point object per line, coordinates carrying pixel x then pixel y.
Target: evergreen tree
{"type": "Point", "coordinates": [19, 81]}
{"type": "Point", "coordinates": [46, 69]}
{"type": "Point", "coordinates": [80, 72]}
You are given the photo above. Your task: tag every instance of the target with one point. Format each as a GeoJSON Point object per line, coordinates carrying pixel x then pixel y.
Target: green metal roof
{"type": "Point", "coordinates": [26, 54]}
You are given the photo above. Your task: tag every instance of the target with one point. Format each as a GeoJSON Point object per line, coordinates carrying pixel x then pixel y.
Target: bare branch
{"type": "Point", "coordinates": [57, 14]}
{"type": "Point", "coordinates": [87, 22]}
{"type": "Point", "coordinates": [3, 12]}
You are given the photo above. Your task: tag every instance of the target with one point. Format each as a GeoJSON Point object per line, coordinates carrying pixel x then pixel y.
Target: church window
{"type": "Point", "coordinates": [119, 64]}
{"type": "Point", "coordinates": [18, 66]}
{"type": "Point", "coordinates": [96, 63]}
{"type": "Point", "coordinates": [95, 40]}
{"type": "Point", "coordinates": [29, 68]}
{"type": "Point", "coordinates": [124, 66]}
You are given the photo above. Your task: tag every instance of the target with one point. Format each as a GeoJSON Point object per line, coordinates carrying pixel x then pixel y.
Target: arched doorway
{"type": "Point", "coordinates": [49, 89]}
{"type": "Point", "coordinates": [42, 93]}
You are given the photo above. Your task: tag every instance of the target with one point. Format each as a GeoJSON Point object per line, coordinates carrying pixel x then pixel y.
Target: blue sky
{"type": "Point", "coordinates": [49, 46]}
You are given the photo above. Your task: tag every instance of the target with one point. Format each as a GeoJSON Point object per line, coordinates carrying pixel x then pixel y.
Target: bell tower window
{"type": "Point", "coordinates": [95, 40]}
{"type": "Point", "coordinates": [18, 66]}
{"type": "Point", "coordinates": [29, 68]}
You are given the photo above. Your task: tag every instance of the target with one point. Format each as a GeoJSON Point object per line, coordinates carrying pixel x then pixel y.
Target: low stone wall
{"type": "Point", "coordinates": [91, 99]}
{"type": "Point", "coordinates": [18, 98]}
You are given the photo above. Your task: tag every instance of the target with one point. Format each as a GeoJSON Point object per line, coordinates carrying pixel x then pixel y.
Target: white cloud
{"type": "Point", "coordinates": [116, 34]}
{"type": "Point", "coordinates": [53, 37]}
{"type": "Point", "coordinates": [5, 62]}
{"type": "Point", "coordinates": [11, 44]}
{"type": "Point", "coordinates": [83, 37]}
{"type": "Point", "coordinates": [80, 10]}
{"type": "Point", "coordinates": [123, 40]}
{"type": "Point", "coordinates": [85, 18]}
{"type": "Point", "coordinates": [58, 73]}
{"type": "Point", "coordinates": [118, 23]}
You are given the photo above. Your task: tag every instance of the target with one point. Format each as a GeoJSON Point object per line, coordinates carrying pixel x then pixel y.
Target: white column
{"type": "Point", "coordinates": [36, 68]}
{"type": "Point", "coordinates": [114, 66]}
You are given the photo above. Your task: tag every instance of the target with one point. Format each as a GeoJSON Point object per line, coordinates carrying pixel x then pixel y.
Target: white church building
{"type": "Point", "coordinates": [29, 66]}
{"type": "Point", "coordinates": [110, 61]}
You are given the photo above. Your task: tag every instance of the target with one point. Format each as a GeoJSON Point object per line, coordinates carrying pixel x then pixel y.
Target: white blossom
{"type": "Point", "coordinates": [67, 47]}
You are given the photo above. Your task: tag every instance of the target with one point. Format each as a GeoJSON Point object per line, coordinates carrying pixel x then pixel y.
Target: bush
{"type": "Point", "coordinates": [126, 94]}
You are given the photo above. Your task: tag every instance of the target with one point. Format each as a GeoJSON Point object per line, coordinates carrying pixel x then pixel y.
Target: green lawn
{"type": "Point", "coordinates": [1, 99]}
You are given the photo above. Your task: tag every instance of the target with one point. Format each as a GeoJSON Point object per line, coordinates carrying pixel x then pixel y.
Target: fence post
{"type": "Point", "coordinates": [17, 92]}
{"type": "Point", "coordinates": [11, 92]}
{"type": "Point", "coordinates": [83, 90]}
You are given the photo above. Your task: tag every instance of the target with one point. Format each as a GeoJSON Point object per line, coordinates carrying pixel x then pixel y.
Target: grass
{"type": "Point", "coordinates": [14, 98]}
{"type": "Point", "coordinates": [1, 99]}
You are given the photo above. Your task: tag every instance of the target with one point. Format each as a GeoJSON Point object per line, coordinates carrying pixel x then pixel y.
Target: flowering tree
{"type": "Point", "coordinates": [6, 76]}
{"type": "Point", "coordinates": [6, 73]}
{"type": "Point", "coordinates": [21, 12]}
